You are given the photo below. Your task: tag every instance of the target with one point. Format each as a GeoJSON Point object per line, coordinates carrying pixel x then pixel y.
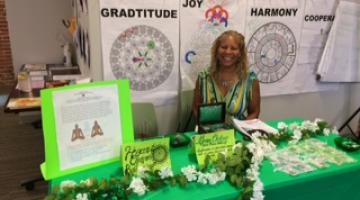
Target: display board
{"type": "Point", "coordinates": [340, 61]}
{"type": "Point", "coordinates": [84, 126]}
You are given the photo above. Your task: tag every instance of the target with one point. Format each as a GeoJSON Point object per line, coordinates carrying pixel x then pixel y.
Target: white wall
{"type": "Point", "coordinates": [333, 106]}
{"type": "Point", "coordinates": [36, 30]}
{"type": "Point", "coordinates": [95, 40]}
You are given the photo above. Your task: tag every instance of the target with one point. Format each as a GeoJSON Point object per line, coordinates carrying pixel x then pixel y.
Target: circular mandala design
{"type": "Point", "coordinates": [159, 153]}
{"type": "Point", "coordinates": [198, 54]}
{"type": "Point", "coordinates": [144, 55]}
{"type": "Point", "coordinates": [272, 51]}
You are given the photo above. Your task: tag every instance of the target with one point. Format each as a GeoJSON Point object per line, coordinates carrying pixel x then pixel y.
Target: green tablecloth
{"type": "Point", "coordinates": [335, 182]}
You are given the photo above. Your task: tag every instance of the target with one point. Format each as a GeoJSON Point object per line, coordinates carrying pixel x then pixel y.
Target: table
{"type": "Point", "coordinates": [17, 94]}
{"type": "Point", "coordinates": [335, 182]}
{"type": "Point", "coordinates": [30, 101]}
{"type": "Point", "coordinates": [24, 107]}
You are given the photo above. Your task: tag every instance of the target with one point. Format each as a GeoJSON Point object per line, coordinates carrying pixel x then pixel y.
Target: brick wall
{"type": "Point", "coordinates": [6, 66]}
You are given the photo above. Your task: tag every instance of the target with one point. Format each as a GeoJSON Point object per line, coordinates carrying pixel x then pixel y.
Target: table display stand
{"type": "Point", "coordinates": [346, 124]}
{"type": "Point", "coordinates": [30, 184]}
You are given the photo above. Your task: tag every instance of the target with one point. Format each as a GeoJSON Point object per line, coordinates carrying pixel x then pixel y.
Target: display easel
{"type": "Point", "coordinates": [346, 123]}
{"type": "Point", "coordinates": [30, 184]}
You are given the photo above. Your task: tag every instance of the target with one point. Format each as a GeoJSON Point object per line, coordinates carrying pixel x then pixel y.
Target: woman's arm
{"type": "Point", "coordinates": [254, 105]}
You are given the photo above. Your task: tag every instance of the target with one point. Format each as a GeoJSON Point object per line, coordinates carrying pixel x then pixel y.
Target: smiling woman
{"type": "Point", "coordinates": [229, 80]}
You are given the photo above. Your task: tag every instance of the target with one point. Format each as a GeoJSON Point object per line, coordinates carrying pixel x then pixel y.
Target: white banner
{"type": "Point", "coordinates": [140, 42]}
{"type": "Point", "coordinates": [273, 33]}
{"type": "Point", "coordinates": [201, 22]}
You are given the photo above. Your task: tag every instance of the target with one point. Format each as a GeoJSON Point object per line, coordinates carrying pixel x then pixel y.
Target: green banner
{"type": "Point", "coordinates": [213, 143]}
{"type": "Point", "coordinates": [152, 154]}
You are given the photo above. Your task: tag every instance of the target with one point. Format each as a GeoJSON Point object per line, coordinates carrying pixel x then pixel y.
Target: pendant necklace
{"type": "Point", "coordinates": [225, 83]}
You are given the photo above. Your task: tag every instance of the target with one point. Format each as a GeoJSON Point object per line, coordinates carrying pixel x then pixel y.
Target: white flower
{"type": "Point", "coordinates": [81, 196]}
{"type": "Point", "coordinates": [257, 195]}
{"type": "Point", "coordinates": [190, 173]}
{"type": "Point", "coordinates": [296, 137]}
{"type": "Point", "coordinates": [294, 126]}
{"type": "Point", "coordinates": [258, 154]}
{"type": "Point", "coordinates": [335, 131]}
{"type": "Point", "coordinates": [87, 182]}
{"type": "Point", "coordinates": [237, 145]}
{"type": "Point", "coordinates": [141, 171]}
{"type": "Point", "coordinates": [257, 190]}
{"type": "Point", "coordinates": [258, 185]}
{"type": "Point", "coordinates": [202, 178]}
{"type": "Point", "coordinates": [307, 125]}
{"type": "Point", "coordinates": [256, 135]}
{"type": "Point", "coordinates": [165, 173]}
{"type": "Point", "coordinates": [212, 178]}
{"type": "Point", "coordinates": [137, 185]}
{"type": "Point", "coordinates": [251, 146]}
{"type": "Point", "coordinates": [326, 131]}
{"type": "Point", "coordinates": [67, 184]}
{"type": "Point", "coordinates": [252, 173]}
{"type": "Point", "coordinates": [282, 126]}
{"type": "Point", "coordinates": [318, 120]}
{"type": "Point", "coordinates": [215, 176]}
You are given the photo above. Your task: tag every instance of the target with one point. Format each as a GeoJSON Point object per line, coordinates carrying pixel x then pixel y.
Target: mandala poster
{"type": "Point", "coordinates": [273, 32]}
{"type": "Point", "coordinates": [201, 22]}
{"type": "Point", "coordinates": [140, 42]}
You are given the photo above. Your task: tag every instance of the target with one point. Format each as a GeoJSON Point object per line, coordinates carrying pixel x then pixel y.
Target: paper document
{"type": "Point", "coordinates": [248, 127]}
{"type": "Point", "coordinates": [87, 125]}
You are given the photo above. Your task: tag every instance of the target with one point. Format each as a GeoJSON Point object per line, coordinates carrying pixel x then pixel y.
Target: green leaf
{"type": "Point", "coordinates": [182, 180]}
{"type": "Point", "coordinates": [233, 178]}
{"type": "Point", "coordinates": [239, 182]}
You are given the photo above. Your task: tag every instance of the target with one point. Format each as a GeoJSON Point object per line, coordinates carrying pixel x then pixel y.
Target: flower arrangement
{"type": "Point", "coordinates": [240, 167]}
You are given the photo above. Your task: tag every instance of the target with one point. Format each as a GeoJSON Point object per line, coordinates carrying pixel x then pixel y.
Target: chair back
{"type": "Point", "coordinates": [186, 119]}
{"type": "Point", "coordinates": [144, 120]}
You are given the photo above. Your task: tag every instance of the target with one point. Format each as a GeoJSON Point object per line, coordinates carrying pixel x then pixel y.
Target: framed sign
{"type": "Point", "coordinates": [85, 126]}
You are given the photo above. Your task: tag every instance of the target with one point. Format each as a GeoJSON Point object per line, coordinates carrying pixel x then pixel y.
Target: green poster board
{"type": "Point", "coordinates": [211, 144]}
{"type": "Point", "coordinates": [152, 154]}
{"type": "Point", "coordinates": [68, 151]}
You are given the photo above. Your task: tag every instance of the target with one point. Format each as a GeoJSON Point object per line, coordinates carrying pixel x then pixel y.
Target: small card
{"type": "Point", "coordinates": [213, 143]}
{"type": "Point", "coordinates": [152, 154]}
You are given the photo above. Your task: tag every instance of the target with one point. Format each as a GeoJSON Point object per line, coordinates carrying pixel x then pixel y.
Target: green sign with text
{"type": "Point", "coordinates": [152, 154]}
{"type": "Point", "coordinates": [213, 143]}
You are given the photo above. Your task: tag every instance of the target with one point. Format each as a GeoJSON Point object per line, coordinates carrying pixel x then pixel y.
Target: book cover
{"type": "Point", "coordinates": [247, 127]}
{"type": "Point", "coordinates": [21, 103]}
{"type": "Point", "coordinates": [36, 69]}
{"type": "Point", "coordinates": [66, 74]}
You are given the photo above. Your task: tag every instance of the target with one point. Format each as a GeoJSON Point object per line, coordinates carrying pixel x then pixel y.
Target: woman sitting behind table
{"type": "Point", "coordinates": [229, 80]}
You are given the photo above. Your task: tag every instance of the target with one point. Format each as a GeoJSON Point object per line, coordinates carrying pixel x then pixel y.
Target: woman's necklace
{"type": "Point", "coordinates": [226, 83]}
